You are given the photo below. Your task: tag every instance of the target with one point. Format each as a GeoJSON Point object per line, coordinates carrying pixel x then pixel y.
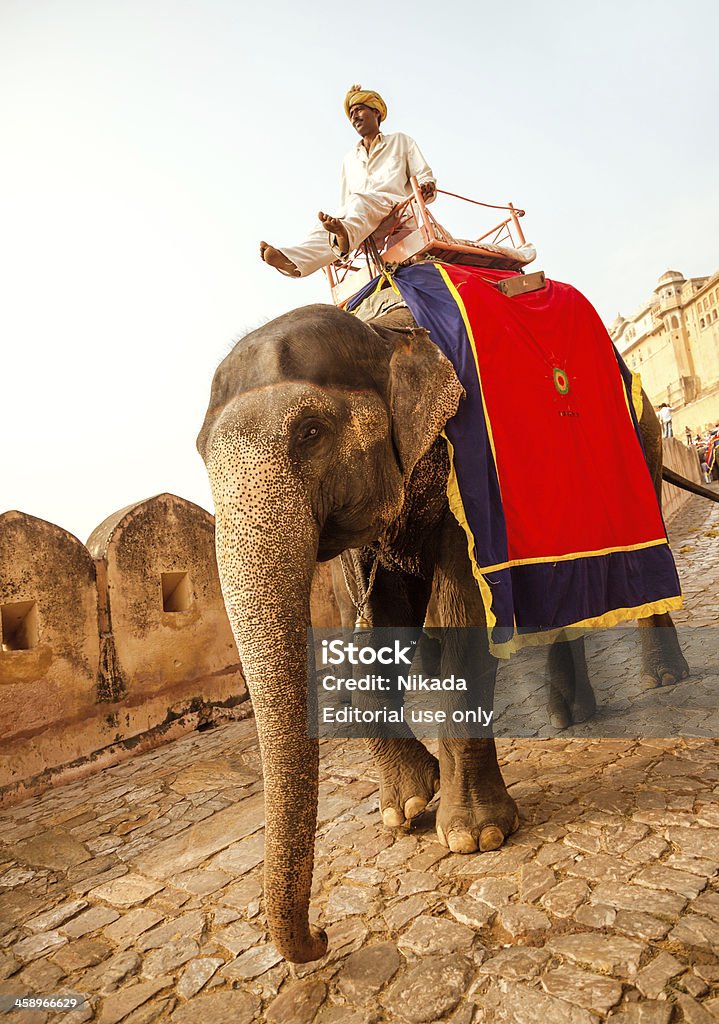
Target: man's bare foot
{"type": "Point", "coordinates": [278, 260]}
{"type": "Point", "coordinates": [335, 227]}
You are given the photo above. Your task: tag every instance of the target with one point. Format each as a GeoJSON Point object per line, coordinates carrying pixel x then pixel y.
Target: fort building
{"type": "Point", "coordinates": [672, 341]}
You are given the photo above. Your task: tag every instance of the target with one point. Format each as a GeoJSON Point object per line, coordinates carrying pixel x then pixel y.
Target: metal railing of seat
{"type": "Point", "coordinates": [412, 232]}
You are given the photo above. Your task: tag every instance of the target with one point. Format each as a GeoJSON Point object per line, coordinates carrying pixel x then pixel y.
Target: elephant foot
{"type": "Point", "coordinates": [481, 826]}
{"type": "Point", "coordinates": [663, 663]}
{"type": "Point", "coordinates": [408, 779]}
{"type": "Point", "coordinates": [476, 813]}
{"type": "Point", "coordinates": [565, 711]}
{"type": "Point", "coordinates": [665, 674]}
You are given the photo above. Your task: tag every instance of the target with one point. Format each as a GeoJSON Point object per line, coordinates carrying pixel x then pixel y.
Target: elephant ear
{"type": "Point", "coordinates": [424, 393]}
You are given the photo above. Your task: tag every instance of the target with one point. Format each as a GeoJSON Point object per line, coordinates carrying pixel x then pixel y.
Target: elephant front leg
{"type": "Point", "coordinates": [408, 773]}
{"type": "Point", "coordinates": [408, 778]}
{"type": "Point", "coordinates": [475, 812]}
{"type": "Point", "coordinates": [663, 663]}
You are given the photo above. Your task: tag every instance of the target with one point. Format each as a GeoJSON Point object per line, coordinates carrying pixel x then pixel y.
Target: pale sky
{"type": "Point", "coordinates": [146, 146]}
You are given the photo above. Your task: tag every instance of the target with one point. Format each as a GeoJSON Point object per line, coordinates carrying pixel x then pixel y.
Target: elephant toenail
{"type": "Point", "coordinates": [462, 842]}
{"type": "Point", "coordinates": [490, 838]}
{"type": "Point", "coordinates": [414, 806]}
{"type": "Point", "coordinates": [392, 817]}
{"type": "Point", "coordinates": [441, 836]}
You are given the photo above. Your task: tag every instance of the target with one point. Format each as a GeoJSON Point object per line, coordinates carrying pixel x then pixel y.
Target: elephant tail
{"type": "Point", "coordinates": [688, 485]}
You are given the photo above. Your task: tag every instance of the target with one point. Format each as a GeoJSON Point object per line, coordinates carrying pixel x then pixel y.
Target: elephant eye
{"type": "Point", "coordinates": [311, 430]}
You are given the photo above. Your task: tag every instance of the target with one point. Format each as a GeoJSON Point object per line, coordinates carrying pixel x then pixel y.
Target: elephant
{"type": "Point", "coordinates": [323, 434]}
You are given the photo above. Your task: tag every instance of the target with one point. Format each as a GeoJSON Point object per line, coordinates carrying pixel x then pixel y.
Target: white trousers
{"type": "Point", "coordinates": [362, 215]}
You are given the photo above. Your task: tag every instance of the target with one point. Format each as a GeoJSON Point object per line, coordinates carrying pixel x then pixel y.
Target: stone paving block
{"type": "Point", "coordinates": [695, 930]}
{"type": "Point", "coordinates": [84, 885]}
{"type": "Point", "coordinates": [367, 971]}
{"type": "Point", "coordinates": [202, 840]}
{"type": "Point", "coordinates": [657, 876]}
{"type": "Point", "coordinates": [495, 892]}
{"type": "Point", "coordinates": [428, 989]}
{"type": "Point", "coordinates": [252, 963]}
{"type": "Point", "coordinates": [196, 975]}
{"type": "Point", "coordinates": [240, 894]}
{"type": "Point", "coordinates": [124, 931]}
{"type": "Point", "coordinates": [241, 857]}
{"type": "Point", "coordinates": [565, 897]}
{"type": "Point", "coordinates": [471, 912]}
{"type": "Point", "coordinates": [108, 976]}
{"type": "Point", "coordinates": [191, 924]}
{"type": "Point", "coordinates": [127, 890]}
{"type": "Point", "coordinates": [346, 900]}
{"type": "Point", "coordinates": [298, 1003]}
{"type": "Point", "coordinates": [399, 913]}
{"type": "Point", "coordinates": [52, 849]}
{"type": "Point", "coordinates": [521, 919]}
{"type": "Point", "coordinates": [163, 961]}
{"type": "Point", "coordinates": [82, 953]}
{"type": "Point", "coordinates": [649, 1012]}
{"type": "Point", "coordinates": [592, 991]}
{"type": "Point", "coordinates": [642, 926]}
{"type": "Point", "coordinates": [515, 964]}
{"type": "Point", "coordinates": [595, 916]}
{"type": "Point", "coordinates": [707, 904]}
{"type": "Point", "coordinates": [513, 1001]}
{"type": "Point", "coordinates": [39, 976]}
{"type": "Point", "coordinates": [117, 1006]}
{"type": "Point", "coordinates": [435, 935]}
{"type": "Point", "coordinates": [603, 952]}
{"type": "Point", "coordinates": [37, 945]}
{"type": "Point", "coordinates": [534, 881]}
{"type": "Point", "coordinates": [635, 897]}
{"type": "Point", "coordinates": [693, 984]}
{"type": "Point", "coordinates": [201, 881]}
{"type": "Point", "coordinates": [90, 921]}
{"type": "Point", "coordinates": [238, 937]}
{"type": "Point", "coordinates": [52, 919]}
{"type": "Point", "coordinates": [694, 1012]}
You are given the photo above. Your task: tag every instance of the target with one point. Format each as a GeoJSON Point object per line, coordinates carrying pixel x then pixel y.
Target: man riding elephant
{"type": "Point", "coordinates": [375, 178]}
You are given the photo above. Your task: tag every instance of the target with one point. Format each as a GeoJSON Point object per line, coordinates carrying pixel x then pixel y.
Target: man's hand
{"type": "Point", "coordinates": [428, 190]}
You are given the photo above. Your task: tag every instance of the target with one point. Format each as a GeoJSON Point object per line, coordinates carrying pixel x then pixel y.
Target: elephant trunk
{"type": "Point", "coordinates": [266, 541]}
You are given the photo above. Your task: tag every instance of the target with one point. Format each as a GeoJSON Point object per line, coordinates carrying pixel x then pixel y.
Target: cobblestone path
{"type": "Point", "coordinates": [141, 887]}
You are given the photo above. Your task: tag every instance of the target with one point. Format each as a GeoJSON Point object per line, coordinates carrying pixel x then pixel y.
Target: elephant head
{"type": "Point", "coordinates": [315, 424]}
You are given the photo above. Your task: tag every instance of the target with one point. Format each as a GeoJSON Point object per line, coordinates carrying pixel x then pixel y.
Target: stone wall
{"type": "Point", "coordinates": [684, 460]}
{"type": "Point", "coordinates": [49, 648]}
{"type": "Point", "coordinates": [120, 645]}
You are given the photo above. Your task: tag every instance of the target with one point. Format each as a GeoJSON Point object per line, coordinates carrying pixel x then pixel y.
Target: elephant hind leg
{"type": "Point", "coordinates": [571, 697]}
{"type": "Point", "coordinates": [663, 663]}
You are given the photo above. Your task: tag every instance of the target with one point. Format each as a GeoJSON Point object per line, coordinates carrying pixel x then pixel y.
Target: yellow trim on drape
{"type": "Point", "coordinates": [457, 508]}
{"type": "Point", "coordinates": [611, 618]}
{"type": "Point", "coordinates": [637, 396]}
{"type": "Point", "coordinates": [451, 288]}
{"type": "Point", "coordinates": [575, 554]}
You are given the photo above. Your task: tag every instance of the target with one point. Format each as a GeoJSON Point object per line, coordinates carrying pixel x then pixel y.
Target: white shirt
{"type": "Point", "coordinates": [665, 414]}
{"type": "Point", "coordinates": [386, 168]}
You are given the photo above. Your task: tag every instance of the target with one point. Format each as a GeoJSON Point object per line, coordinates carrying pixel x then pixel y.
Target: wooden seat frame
{"type": "Point", "coordinates": [428, 241]}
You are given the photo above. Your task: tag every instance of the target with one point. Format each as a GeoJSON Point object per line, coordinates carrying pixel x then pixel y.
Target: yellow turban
{"type": "Point", "coordinates": [357, 94]}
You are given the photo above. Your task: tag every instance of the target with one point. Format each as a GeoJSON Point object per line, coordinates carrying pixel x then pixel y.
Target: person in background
{"type": "Point", "coordinates": [665, 418]}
